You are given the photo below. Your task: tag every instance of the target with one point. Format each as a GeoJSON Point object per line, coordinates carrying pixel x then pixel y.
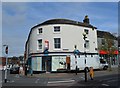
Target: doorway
{"type": "Point", "coordinates": [46, 63]}
{"type": "Point", "coordinates": [68, 62]}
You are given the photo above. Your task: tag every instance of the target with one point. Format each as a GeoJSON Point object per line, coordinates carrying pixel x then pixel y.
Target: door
{"type": "Point", "coordinates": [46, 63]}
{"type": "Point", "coordinates": [68, 63]}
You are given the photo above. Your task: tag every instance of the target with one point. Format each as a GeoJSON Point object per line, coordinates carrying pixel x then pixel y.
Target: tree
{"type": "Point", "coordinates": [108, 46]}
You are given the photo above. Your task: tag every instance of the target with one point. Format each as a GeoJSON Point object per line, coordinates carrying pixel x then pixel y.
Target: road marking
{"type": "Point", "coordinates": [83, 78]}
{"type": "Point", "coordinates": [61, 81]}
{"type": "Point", "coordinates": [17, 76]}
{"type": "Point", "coordinates": [112, 80]}
{"type": "Point", "coordinates": [12, 81]}
{"type": "Point", "coordinates": [37, 80]}
{"type": "Point", "coordinates": [105, 84]}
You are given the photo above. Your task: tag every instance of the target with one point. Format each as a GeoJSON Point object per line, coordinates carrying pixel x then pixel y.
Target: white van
{"type": "Point", "coordinates": [103, 64]}
{"type": "Point", "coordinates": [91, 61]}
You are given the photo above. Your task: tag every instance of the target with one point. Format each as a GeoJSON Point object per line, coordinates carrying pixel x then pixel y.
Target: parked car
{"type": "Point", "coordinates": [103, 64]}
{"type": "Point", "coordinates": [14, 70]}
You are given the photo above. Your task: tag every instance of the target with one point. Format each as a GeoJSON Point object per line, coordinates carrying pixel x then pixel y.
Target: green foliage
{"type": "Point", "coordinates": [108, 45]}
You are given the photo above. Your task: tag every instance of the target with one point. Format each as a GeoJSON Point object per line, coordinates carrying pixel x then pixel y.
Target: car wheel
{"type": "Point", "coordinates": [105, 68]}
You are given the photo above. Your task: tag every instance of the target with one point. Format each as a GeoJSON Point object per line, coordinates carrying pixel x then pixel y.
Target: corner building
{"type": "Point", "coordinates": [51, 43]}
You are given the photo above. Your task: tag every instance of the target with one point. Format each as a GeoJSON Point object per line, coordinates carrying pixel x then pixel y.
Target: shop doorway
{"type": "Point", "coordinates": [46, 63]}
{"type": "Point", "coordinates": [68, 62]}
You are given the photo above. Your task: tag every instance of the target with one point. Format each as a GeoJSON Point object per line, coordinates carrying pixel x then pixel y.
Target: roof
{"type": "Point", "coordinates": [102, 34]}
{"type": "Point", "coordinates": [65, 21]}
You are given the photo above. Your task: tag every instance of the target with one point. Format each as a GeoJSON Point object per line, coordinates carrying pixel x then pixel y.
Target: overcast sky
{"type": "Point", "coordinates": [19, 17]}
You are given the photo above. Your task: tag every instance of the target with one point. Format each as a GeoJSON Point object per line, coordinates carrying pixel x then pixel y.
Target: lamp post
{"type": "Point", "coordinates": [85, 69]}
{"type": "Point", "coordinates": [118, 55]}
{"type": "Point", "coordinates": [6, 54]}
{"type": "Point", "coordinates": [109, 57]}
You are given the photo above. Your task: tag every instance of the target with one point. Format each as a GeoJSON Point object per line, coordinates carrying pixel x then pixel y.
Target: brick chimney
{"type": "Point", "coordinates": [86, 20]}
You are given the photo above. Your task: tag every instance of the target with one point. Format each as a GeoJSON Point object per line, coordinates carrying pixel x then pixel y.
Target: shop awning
{"type": "Point", "coordinates": [116, 52]}
{"type": "Point", "coordinates": [102, 52]}
{"type": "Point", "coordinates": [107, 52]}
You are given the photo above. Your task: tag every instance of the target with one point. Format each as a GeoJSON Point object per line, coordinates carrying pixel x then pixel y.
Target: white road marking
{"type": "Point", "coordinates": [112, 80]}
{"type": "Point", "coordinates": [105, 84]}
{"type": "Point", "coordinates": [83, 78]}
{"type": "Point", "coordinates": [61, 81]}
{"type": "Point", "coordinates": [37, 80]}
{"type": "Point", "coordinates": [12, 81]}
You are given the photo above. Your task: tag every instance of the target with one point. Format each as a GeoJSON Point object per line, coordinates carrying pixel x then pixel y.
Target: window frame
{"type": "Point", "coordinates": [103, 41]}
{"type": "Point", "coordinates": [86, 31]}
{"type": "Point", "coordinates": [87, 42]}
{"type": "Point", "coordinates": [40, 30]}
{"type": "Point", "coordinates": [39, 45]}
{"type": "Point", "coordinates": [58, 44]}
{"type": "Point", "coordinates": [56, 29]}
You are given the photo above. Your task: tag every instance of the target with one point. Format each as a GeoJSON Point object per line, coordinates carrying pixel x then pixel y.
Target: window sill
{"type": "Point", "coordinates": [39, 50]}
{"type": "Point", "coordinates": [57, 49]}
{"type": "Point", "coordinates": [56, 32]}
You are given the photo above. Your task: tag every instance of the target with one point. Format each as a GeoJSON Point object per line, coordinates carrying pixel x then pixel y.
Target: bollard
{"type": "Point", "coordinates": [85, 70]}
{"type": "Point", "coordinates": [26, 71]}
{"type": "Point", "coordinates": [76, 70]}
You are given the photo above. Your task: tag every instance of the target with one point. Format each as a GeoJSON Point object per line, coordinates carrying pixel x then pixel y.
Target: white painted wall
{"type": "Point", "coordinates": [70, 35]}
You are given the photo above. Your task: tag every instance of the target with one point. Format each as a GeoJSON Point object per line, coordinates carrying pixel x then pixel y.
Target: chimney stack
{"type": "Point", "coordinates": [86, 20]}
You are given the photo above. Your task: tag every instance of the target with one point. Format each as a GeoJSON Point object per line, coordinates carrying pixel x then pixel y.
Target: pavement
{"type": "Point", "coordinates": [114, 70]}
{"type": "Point", "coordinates": [62, 79]}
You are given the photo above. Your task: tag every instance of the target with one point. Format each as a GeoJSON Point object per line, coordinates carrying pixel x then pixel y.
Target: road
{"type": "Point", "coordinates": [101, 78]}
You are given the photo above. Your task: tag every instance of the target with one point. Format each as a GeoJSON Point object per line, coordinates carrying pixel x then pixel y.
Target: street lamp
{"type": "Point", "coordinates": [118, 55]}
{"type": "Point", "coordinates": [6, 52]}
{"type": "Point", "coordinates": [85, 69]}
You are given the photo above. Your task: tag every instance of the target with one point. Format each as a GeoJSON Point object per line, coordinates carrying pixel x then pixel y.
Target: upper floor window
{"type": "Point", "coordinates": [40, 44]}
{"type": "Point", "coordinates": [86, 31]}
{"type": "Point", "coordinates": [57, 43]}
{"type": "Point", "coordinates": [57, 29]}
{"type": "Point", "coordinates": [103, 41]}
{"type": "Point", "coordinates": [87, 44]}
{"type": "Point", "coordinates": [40, 31]}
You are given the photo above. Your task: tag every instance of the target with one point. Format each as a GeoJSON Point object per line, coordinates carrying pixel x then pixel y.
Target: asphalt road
{"type": "Point", "coordinates": [69, 80]}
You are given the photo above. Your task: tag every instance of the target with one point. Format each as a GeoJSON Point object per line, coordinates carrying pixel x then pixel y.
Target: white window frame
{"type": "Point", "coordinates": [87, 45]}
{"type": "Point", "coordinates": [40, 32]}
{"type": "Point", "coordinates": [87, 31]}
{"type": "Point", "coordinates": [54, 43]}
{"type": "Point", "coordinates": [56, 30]}
{"type": "Point", "coordinates": [38, 48]}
